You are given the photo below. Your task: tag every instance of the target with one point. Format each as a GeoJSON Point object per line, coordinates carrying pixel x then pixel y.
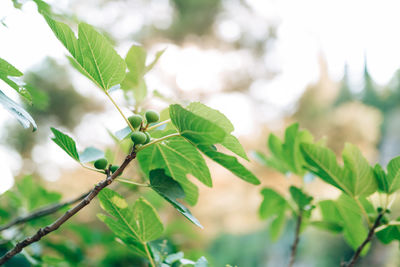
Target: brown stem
{"type": "Point", "coordinates": [42, 212]}
{"type": "Point", "coordinates": [371, 233]}
{"type": "Point", "coordinates": [296, 239]}
{"type": "Point", "coordinates": [68, 214]}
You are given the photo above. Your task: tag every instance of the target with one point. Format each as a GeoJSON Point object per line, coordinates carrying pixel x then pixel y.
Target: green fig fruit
{"type": "Point", "coordinates": [152, 116]}
{"type": "Point", "coordinates": [138, 138]}
{"type": "Point", "coordinates": [148, 137]}
{"type": "Point", "coordinates": [135, 120]}
{"type": "Point", "coordinates": [101, 164]}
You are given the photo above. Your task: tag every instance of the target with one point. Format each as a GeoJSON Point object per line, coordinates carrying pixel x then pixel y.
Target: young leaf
{"type": "Point", "coordinates": [302, 200]}
{"type": "Point", "coordinates": [273, 203]}
{"type": "Point", "coordinates": [94, 55]}
{"type": "Point", "coordinates": [66, 143]}
{"type": "Point", "coordinates": [381, 179]}
{"type": "Point", "coordinates": [17, 111]}
{"type": "Point", "coordinates": [178, 158]}
{"type": "Point", "coordinates": [195, 128]}
{"type": "Point", "coordinates": [90, 154]}
{"type": "Point", "coordinates": [6, 71]}
{"type": "Point", "coordinates": [393, 175]}
{"type": "Point", "coordinates": [286, 157]}
{"type": "Point", "coordinates": [170, 190]}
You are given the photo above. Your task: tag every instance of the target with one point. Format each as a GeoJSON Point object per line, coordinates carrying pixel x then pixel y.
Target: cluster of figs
{"type": "Point", "coordinates": [138, 137]}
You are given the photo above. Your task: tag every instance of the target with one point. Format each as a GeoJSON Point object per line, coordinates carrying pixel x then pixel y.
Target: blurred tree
{"type": "Point", "coordinates": [345, 94]}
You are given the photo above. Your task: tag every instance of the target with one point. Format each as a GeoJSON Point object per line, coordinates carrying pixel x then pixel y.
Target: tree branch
{"type": "Point", "coordinates": [68, 214]}
{"type": "Point", "coordinates": [296, 238]}
{"type": "Point", "coordinates": [42, 212]}
{"type": "Point", "coordinates": [371, 233]}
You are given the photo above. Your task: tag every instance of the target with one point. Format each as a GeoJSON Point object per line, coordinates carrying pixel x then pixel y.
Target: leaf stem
{"type": "Point", "coordinates": [122, 180]}
{"type": "Point", "coordinates": [149, 255]}
{"type": "Point", "coordinates": [158, 124]}
{"type": "Point", "coordinates": [90, 168]}
{"type": "Point", "coordinates": [157, 141]}
{"type": "Point", "coordinates": [120, 111]}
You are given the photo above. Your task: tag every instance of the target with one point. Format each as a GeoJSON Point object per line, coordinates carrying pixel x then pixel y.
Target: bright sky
{"type": "Point", "coordinates": [344, 31]}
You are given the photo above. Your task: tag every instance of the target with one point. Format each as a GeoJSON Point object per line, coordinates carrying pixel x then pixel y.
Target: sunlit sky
{"type": "Point", "coordinates": [343, 31]}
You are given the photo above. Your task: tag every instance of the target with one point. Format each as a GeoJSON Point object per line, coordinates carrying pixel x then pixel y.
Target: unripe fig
{"type": "Point", "coordinates": [138, 138]}
{"type": "Point", "coordinates": [152, 116]}
{"type": "Point", "coordinates": [101, 164]}
{"type": "Point", "coordinates": [148, 137]}
{"type": "Point", "coordinates": [379, 209]}
{"type": "Point", "coordinates": [135, 120]}
{"type": "Point", "coordinates": [113, 168]}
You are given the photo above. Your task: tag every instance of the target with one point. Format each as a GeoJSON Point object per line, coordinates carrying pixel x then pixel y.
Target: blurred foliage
{"type": "Point", "coordinates": [55, 102]}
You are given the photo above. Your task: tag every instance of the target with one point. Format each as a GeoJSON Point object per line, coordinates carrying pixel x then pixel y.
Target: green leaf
{"type": "Point", "coordinates": [273, 203]}
{"type": "Point", "coordinates": [94, 55]}
{"type": "Point", "coordinates": [195, 128]}
{"type": "Point", "coordinates": [17, 111]}
{"type": "Point", "coordinates": [277, 226]}
{"type": "Point", "coordinates": [327, 226]}
{"type": "Point", "coordinates": [139, 222]}
{"type": "Point", "coordinates": [381, 179]}
{"type": "Point", "coordinates": [286, 156]}
{"type": "Point", "coordinates": [346, 213]}
{"type": "Point", "coordinates": [230, 142]}
{"type": "Point", "coordinates": [146, 221]}
{"type": "Point", "coordinates": [229, 162]}
{"type": "Point", "coordinates": [66, 143]}
{"type": "Point", "coordinates": [361, 180]}
{"type": "Point", "coordinates": [354, 230]}
{"type": "Point", "coordinates": [6, 71]}
{"type": "Point", "coordinates": [389, 233]}
{"type": "Point", "coordinates": [90, 154]}
{"type": "Point", "coordinates": [136, 63]}
{"type": "Point", "coordinates": [300, 198]}
{"type": "Point", "coordinates": [356, 178]}
{"type": "Point", "coordinates": [393, 175]}
{"type": "Point", "coordinates": [178, 158]}
{"type": "Point", "coordinates": [170, 190]}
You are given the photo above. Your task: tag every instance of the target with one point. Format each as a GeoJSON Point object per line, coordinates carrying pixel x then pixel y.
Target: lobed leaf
{"type": "Point", "coordinates": [178, 158]}
{"type": "Point", "coordinates": [355, 178]}
{"type": "Point", "coordinates": [137, 224]}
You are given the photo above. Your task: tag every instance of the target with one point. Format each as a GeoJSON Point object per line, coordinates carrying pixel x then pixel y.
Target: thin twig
{"type": "Point", "coordinates": [296, 238]}
{"type": "Point", "coordinates": [371, 233]}
{"type": "Point", "coordinates": [67, 215]}
{"type": "Point", "coordinates": [42, 212]}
